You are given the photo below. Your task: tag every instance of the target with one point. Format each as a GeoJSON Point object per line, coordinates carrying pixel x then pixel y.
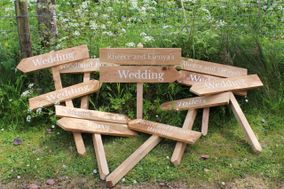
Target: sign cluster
{"type": "Point", "coordinates": [214, 84]}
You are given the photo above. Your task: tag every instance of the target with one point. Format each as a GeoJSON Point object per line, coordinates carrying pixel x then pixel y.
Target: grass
{"type": "Point", "coordinates": [46, 155]}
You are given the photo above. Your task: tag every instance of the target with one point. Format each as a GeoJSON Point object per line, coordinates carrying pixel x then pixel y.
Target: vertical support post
{"type": "Point", "coordinates": [22, 17]}
{"type": "Point", "coordinates": [205, 121]}
{"type": "Point", "coordinates": [139, 96]}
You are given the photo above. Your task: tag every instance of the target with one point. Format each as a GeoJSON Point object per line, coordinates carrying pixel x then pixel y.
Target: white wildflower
{"type": "Point", "coordinates": [39, 111]}
{"type": "Point", "coordinates": [221, 23]}
{"type": "Point", "coordinates": [166, 26]}
{"type": "Point", "coordinates": [2, 129]}
{"type": "Point", "coordinates": [65, 20]}
{"type": "Point", "coordinates": [103, 26]}
{"type": "Point", "coordinates": [148, 39]}
{"type": "Point", "coordinates": [76, 33]}
{"type": "Point", "coordinates": [30, 85]}
{"type": "Point", "coordinates": [93, 25]}
{"type": "Point", "coordinates": [29, 118]}
{"type": "Point", "coordinates": [134, 4]}
{"type": "Point", "coordinates": [123, 179]}
{"type": "Point", "coordinates": [26, 93]}
{"type": "Point", "coordinates": [109, 33]}
{"type": "Point", "coordinates": [95, 171]}
{"type": "Point", "coordinates": [85, 5]}
{"type": "Point", "coordinates": [105, 16]}
{"type": "Point", "coordinates": [143, 34]}
{"type": "Point", "coordinates": [52, 126]}
{"type": "Point", "coordinates": [130, 44]}
{"type": "Point", "coordinates": [109, 9]}
{"type": "Point", "coordinates": [246, 100]}
{"type": "Point", "coordinates": [123, 30]}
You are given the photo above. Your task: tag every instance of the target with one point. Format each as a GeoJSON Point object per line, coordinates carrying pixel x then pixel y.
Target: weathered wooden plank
{"type": "Point", "coordinates": [141, 56]}
{"type": "Point", "coordinates": [62, 111]}
{"type": "Point", "coordinates": [252, 139]}
{"type": "Point", "coordinates": [211, 68]}
{"type": "Point", "coordinates": [132, 160]}
{"type": "Point", "coordinates": [88, 126]}
{"type": "Point", "coordinates": [197, 102]}
{"type": "Point", "coordinates": [64, 94]}
{"type": "Point", "coordinates": [53, 58]}
{"type": "Point", "coordinates": [190, 78]}
{"type": "Point", "coordinates": [139, 100]}
{"type": "Point", "coordinates": [205, 121]}
{"type": "Point", "coordinates": [78, 139]}
{"type": "Point", "coordinates": [138, 74]}
{"type": "Point", "coordinates": [165, 131]}
{"type": "Point", "coordinates": [180, 147]}
{"type": "Point", "coordinates": [227, 84]}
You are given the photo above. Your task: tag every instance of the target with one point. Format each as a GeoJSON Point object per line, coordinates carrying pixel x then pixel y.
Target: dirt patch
{"type": "Point", "coordinates": [87, 183]}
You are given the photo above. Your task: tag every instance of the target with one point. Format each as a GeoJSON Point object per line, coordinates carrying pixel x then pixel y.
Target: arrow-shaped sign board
{"type": "Point", "coordinates": [88, 126]}
{"type": "Point", "coordinates": [165, 131]}
{"type": "Point", "coordinates": [141, 56]}
{"type": "Point", "coordinates": [227, 84]}
{"type": "Point", "coordinates": [138, 74]}
{"type": "Point", "coordinates": [211, 68]}
{"type": "Point", "coordinates": [197, 102]}
{"type": "Point", "coordinates": [53, 58]}
{"type": "Point", "coordinates": [64, 94]}
{"type": "Point", "coordinates": [63, 111]}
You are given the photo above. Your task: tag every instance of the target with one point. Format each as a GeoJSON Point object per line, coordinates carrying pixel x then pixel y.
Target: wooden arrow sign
{"type": "Point", "coordinates": [190, 78]}
{"type": "Point", "coordinates": [227, 84]}
{"type": "Point", "coordinates": [197, 102]}
{"type": "Point", "coordinates": [165, 131]}
{"type": "Point", "coordinates": [88, 126]}
{"type": "Point", "coordinates": [82, 66]}
{"type": "Point", "coordinates": [137, 74]}
{"type": "Point", "coordinates": [141, 56]}
{"type": "Point", "coordinates": [63, 111]}
{"type": "Point", "coordinates": [211, 68]}
{"type": "Point", "coordinates": [64, 94]}
{"type": "Point", "coordinates": [53, 58]}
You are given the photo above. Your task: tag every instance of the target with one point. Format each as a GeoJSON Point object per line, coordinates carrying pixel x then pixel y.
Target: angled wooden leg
{"type": "Point", "coordinates": [97, 139]}
{"type": "Point", "coordinates": [180, 147]}
{"type": "Point", "coordinates": [205, 121]}
{"type": "Point", "coordinates": [244, 124]}
{"type": "Point", "coordinates": [132, 160]}
{"type": "Point", "coordinates": [78, 139]}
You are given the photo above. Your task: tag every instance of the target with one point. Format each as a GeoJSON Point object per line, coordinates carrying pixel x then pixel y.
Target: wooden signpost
{"type": "Point", "coordinates": [64, 94]}
{"type": "Point", "coordinates": [141, 56]}
{"type": "Point", "coordinates": [197, 102]}
{"type": "Point", "coordinates": [210, 68]}
{"type": "Point", "coordinates": [227, 84]}
{"type": "Point", "coordinates": [53, 58]}
{"type": "Point", "coordinates": [89, 126]}
{"type": "Point", "coordinates": [138, 74]}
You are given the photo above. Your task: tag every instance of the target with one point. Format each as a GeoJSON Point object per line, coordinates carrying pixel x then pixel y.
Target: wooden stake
{"type": "Point", "coordinates": [132, 160]}
{"type": "Point", "coordinates": [78, 139]}
{"type": "Point", "coordinates": [244, 124]}
{"type": "Point", "coordinates": [205, 121]}
{"type": "Point", "coordinates": [139, 96]}
{"type": "Point", "coordinates": [180, 147]}
{"type": "Point", "coordinates": [97, 139]}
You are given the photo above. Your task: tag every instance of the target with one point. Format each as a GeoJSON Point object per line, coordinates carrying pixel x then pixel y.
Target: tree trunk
{"type": "Point", "coordinates": [47, 21]}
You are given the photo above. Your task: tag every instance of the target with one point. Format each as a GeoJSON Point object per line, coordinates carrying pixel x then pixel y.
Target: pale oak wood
{"type": "Point", "coordinates": [139, 100]}
{"type": "Point", "coordinates": [164, 131]}
{"type": "Point", "coordinates": [132, 160]}
{"type": "Point", "coordinates": [211, 68]}
{"type": "Point", "coordinates": [62, 111]}
{"type": "Point", "coordinates": [180, 147]}
{"type": "Point", "coordinates": [64, 94]}
{"type": "Point", "coordinates": [138, 74]}
{"type": "Point", "coordinates": [190, 78]}
{"type": "Point", "coordinates": [252, 139]}
{"type": "Point", "coordinates": [205, 121]}
{"type": "Point", "coordinates": [78, 139]}
{"type": "Point", "coordinates": [99, 127]}
{"type": "Point", "coordinates": [97, 139]}
{"type": "Point", "coordinates": [53, 58]}
{"type": "Point", "coordinates": [227, 84]}
{"type": "Point", "coordinates": [197, 102]}
{"type": "Point", "coordinates": [141, 56]}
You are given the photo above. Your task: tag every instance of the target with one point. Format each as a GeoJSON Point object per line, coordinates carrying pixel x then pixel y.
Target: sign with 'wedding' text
{"type": "Point", "coordinates": [53, 58]}
{"type": "Point", "coordinates": [136, 74]}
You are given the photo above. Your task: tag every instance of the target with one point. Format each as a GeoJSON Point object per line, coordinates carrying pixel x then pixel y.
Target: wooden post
{"type": "Point", "coordinates": [97, 139]}
{"type": "Point", "coordinates": [78, 139]}
{"type": "Point", "coordinates": [139, 96]}
{"type": "Point", "coordinates": [132, 160]}
{"type": "Point", "coordinates": [22, 17]}
{"type": "Point", "coordinates": [205, 121]}
{"type": "Point", "coordinates": [244, 124]}
{"type": "Point", "coordinates": [180, 146]}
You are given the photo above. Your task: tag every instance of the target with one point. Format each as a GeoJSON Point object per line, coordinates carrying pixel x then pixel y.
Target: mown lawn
{"type": "Point", "coordinates": [45, 154]}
